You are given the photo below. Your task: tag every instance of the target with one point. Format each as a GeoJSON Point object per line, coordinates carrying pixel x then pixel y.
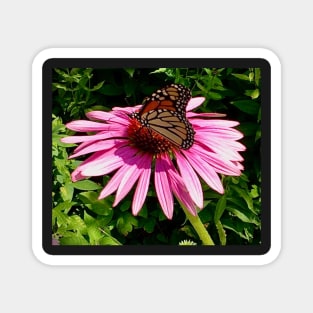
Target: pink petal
{"type": "Point", "coordinates": [162, 187]}
{"type": "Point", "coordinates": [205, 115]}
{"type": "Point", "coordinates": [194, 103]}
{"type": "Point", "coordinates": [226, 134]}
{"type": "Point", "coordinates": [86, 126]}
{"type": "Point", "coordinates": [190, 179]}
{"type": "Point", "coordinates": [93, 159]}
{"type": "Point", "coordinates": [114, 182]}
{"type": "Point", "coordinates": [127, 110]}
{"type": "Point", "coordinates": [180, 191]}
{"type": "Point", "coordinates": [97, 146]}
{"type": "Point", "coordinates": [141, 190]}
{"type": "Point", "coordinates": [83, 146]}
{"type": "Point", "coordinates": [212, 123]}
{"type": "Point", "coordinates": [109, 117]}
{"type": "Point", "coordinates": [112, 132]}
{"type": "Point", "coordinates": [227, 149]}
{"type": "Point", "coordinates": [107, 166]}
{"type": "Point", "coordinates": [101, 163]}
{"type": "Point", "coordinates": [139, 162]}
{"type": "Point", "coordinates": [209, 127]}
{"type": "Point", "coordinates": [220, 164]}
{"type": "Point", "coordinates": [76, 175]}
{"type": "Point", "coordinates": [207, 173]}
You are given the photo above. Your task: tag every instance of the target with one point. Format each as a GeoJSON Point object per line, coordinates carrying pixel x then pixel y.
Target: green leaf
{"type": "Point", "coordinates": [143, 212]}
{"type": "Point", "coordinates": [60, 218]}
{"type": "Point", "coordinates": [254, 191]}
{"type": "Point", "coordinates": [215, 95]}
{"type": "Point", "coordinates": [67, 192]}
{"type": "Point", "coordinates": [59, 213]}
{"type": "Point", "coordinates": [77, 224]}
{"type": "Point", "coordinates": [159, 70]}
{"type": "Point", "coordinates": [244, 195]}
{"type": "Point", "coordinates": [241, 229]}
{"type": "Point", "coordinates": [220, 208]}
{"type": "Point", "coordinates": [247, 106]}
{"type": "Point", "coordinates": [244, 215]}
{"type": "Point", "coordinates": [97, 87]}
{"type": "Point", "coordinates": [189, 231]}
{"type": "Point", "coordinates": [125, 206]}
{"type": "Point", "coordinates": [251, 76]}
{"type": "Point", "coordinates": [149, 225]}
{"type": "Point", "coordinates": [252, 93]}
{"type": "Point", "coordinates": [206, 214]}
{"type": "Point", "coordinates": [130, 71]}
{"type": "Point", "coordinates": [109, 241]}
{"type": "Point", "coordinates": [88, 219]}
{"type": "Point", "coordinates": [221, 233]}
{"type": "Point", "coordinates": [86, 185]}
{"type": "Point", "coordinates": [63, 207]}
{"type": "Point", "coordinates": [89, 197]}
{"type": "Point", "coordinates": [101, 209]}
{"type": "Point", "coordinates": [59, 86]}
{"type": "Point", "coordinates": [73, 239]}
{"type": "Point", "coordinates": [258, 135]}
{"type": "Point", "coordinates": [241, 76]}
{"type": "Point", "coordinates": [125, 223]}
{"type": "Point", "coordinates": [257, 76]}
{"type": "Point", "coordinates": [248, 128]}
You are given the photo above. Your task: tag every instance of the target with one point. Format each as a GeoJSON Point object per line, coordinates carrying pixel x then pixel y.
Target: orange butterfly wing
{"type": "Point", "coordinates": [165, 113]}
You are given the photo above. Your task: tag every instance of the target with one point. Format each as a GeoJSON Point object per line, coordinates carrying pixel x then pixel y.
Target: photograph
{"type": "Point", "coordinates": [164, 158]}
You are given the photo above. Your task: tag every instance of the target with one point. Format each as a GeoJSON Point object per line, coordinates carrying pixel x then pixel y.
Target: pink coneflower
{"type": "Point", "coordinates": [118, 147]}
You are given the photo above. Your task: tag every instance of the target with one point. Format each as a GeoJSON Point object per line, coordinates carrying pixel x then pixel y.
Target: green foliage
{"type": "Point", "coordinates": [79, 218]}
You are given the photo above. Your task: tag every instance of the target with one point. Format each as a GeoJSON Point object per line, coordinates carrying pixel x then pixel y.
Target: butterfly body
{"type": "Point", "coordinates": [164, 112]}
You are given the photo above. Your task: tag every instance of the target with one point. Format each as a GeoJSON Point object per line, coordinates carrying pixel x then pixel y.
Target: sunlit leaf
{"type": "Point", "coordinates": [86, 185]}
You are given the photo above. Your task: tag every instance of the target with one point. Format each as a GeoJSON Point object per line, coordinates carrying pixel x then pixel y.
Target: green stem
{"type": "Point", "coordinates": [199, 228]}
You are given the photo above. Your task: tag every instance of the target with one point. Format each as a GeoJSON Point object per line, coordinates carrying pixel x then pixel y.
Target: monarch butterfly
{"type": "Point", "coordinates": [165, 113]}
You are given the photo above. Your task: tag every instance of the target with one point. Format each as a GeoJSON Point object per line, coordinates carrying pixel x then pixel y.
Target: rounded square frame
{"type": "Point", "coordinates": [142, 54]}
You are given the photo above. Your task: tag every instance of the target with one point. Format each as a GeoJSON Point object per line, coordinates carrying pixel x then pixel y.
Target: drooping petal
{"type": "Point", "coordinates": [205, 171]}
{"type": "Point", "coordinates": [190, 179]}
{"type": "Point", "coordinates": [142, 189]}
{"type": "Point", "coordinates": [139, 162]}
{"type": "Point", "coordinates": [227, 149]}
{"type": "Point", "coordinates": [221, 164]}
{"type": "Point", "coordinates": [180, 191]}
{"type": "Point", "coordinates": [91, 162]}
{"type": "Point", "coordinates": [101, 163]}
{"type": "Point", "coordinates": [162, 186]}
{"type": "Point", "coordinates": [114, 182]}
{"type": "Point", "coordinates": [107, 166]}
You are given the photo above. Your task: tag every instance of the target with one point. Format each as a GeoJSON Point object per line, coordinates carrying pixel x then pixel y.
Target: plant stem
{"type": "Point", "coordinates": [199, 228]}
